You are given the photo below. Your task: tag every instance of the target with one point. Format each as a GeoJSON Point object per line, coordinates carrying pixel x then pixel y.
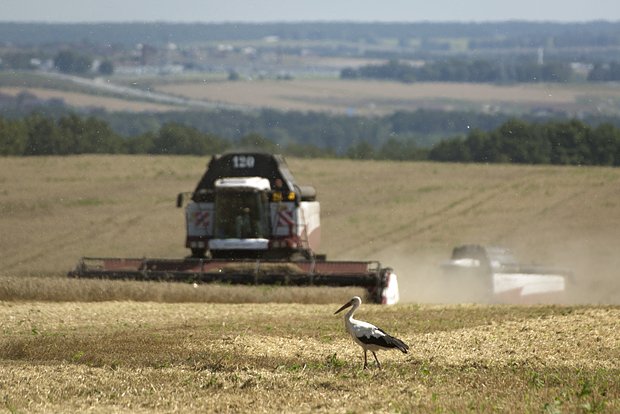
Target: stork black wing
{"type": "Point", "coordinates": [381, 338]}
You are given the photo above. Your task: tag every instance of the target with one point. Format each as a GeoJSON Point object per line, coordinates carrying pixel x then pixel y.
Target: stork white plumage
{"type": "Point", "coordinates": [367, 335]}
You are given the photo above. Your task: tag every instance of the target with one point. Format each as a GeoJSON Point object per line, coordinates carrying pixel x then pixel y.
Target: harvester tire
{"type": "Point", "coordinates": [299, 257]}
{"type": "Point", "coordinates": [198, 253]}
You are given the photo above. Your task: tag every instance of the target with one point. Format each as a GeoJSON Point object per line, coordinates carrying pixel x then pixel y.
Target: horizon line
{"type": "Point", "coordinates": [163, 21]}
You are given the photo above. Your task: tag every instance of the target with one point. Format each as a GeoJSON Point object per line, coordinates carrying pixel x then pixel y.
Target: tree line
{"type": "Point", "coordinates": [516, 141]}
{"type": "Point", "coordinates": [455, 70]}
{"type": "Point", "coordinates": [37, 135]}
{"type": "Point", "coordinates": [605, 72]}
{"type": "Point", "coordinates": [322, 130]}
{"type": "Point", "coordinates": [482, 35]}
{"type": "Point", "coordinates": [560, 143]}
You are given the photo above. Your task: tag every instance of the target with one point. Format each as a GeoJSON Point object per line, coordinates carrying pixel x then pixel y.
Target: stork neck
{"type": "Point", "coordinates": [349, 314]}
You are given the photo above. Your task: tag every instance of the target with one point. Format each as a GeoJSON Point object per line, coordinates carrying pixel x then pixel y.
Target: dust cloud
{"type": "Point", "coordinates": [421, 279]}
{"type": "Point", "coordinates": [593, 277]}
{"type": "Point", "coordinates": [595, 267]}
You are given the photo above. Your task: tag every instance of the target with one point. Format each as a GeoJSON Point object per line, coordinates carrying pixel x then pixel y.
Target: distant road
{"type": "Point", "coordinates": [150, 96]}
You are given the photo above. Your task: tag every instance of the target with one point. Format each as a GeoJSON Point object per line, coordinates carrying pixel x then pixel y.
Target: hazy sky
{"type": "Point", "coordinates": [315, 10]}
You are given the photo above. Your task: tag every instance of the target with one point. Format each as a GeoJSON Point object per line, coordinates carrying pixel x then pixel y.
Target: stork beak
{"type": "Point", "coordinates": [346, 305]}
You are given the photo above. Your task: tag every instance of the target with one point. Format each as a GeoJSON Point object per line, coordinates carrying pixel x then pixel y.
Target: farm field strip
{"type": "Point", "coordinates": [239, 358]}
{"type": "Point", "coordinates": [312, 94]}
{"type": "Point", "coordinates": [385, 96]}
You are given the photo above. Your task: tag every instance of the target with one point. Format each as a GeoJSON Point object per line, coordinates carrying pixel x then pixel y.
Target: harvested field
{"type": "Point", "coordinates": [146, 357]}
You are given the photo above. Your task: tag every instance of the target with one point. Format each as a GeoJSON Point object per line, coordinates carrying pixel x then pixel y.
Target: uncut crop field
{"type": "Point", "coordinates": [83, 345]}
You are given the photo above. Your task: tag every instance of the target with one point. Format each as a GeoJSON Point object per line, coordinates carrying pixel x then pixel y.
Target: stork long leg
{"type": "Point", "coordinates": [365, 359]}
{"type": "Point", "coordinates": [375, 355]}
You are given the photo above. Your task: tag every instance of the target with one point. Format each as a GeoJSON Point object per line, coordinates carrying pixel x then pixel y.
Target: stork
{"type": "Point", "coordinates": [368, 336]}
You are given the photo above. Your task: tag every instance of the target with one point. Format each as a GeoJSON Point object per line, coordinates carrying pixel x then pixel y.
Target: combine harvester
{"type": "Point", "coordinates": [493, 275]}
{"type": "Point", "coordinates": [248, 222]}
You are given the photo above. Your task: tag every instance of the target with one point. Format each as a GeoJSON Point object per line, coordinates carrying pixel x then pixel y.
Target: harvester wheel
{"type": "Point", "coordinates": [198, 253]}
{"type": "Point", "coordinates": [299, 257]}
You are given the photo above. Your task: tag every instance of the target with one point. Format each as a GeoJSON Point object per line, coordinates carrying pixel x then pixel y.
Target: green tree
{"type": "Point", "coordinates": [233, 75]}
{"type": "Point", "coordinates": [349, 73]}
{"type": "Point", "coordinates": [521, 143]}
{"type": "Point", "coordinates": [17, 60]}
{"type": "Point", "coordinates": [13, 137]}
{"type": "Point", "coordinates": [72, 129]}
{"type": "Point", "coordinates": [141, 144]}
{"type": "Point", "coordinates": [569, 143]}
{"type": "Point", "coordinates": [604, 143]}
{"type": "Point", "coordinates": [106, 67]}
{"type": "Point", "coordinates": [68, 61]}
{"type": "Point", "coordinates": [87, 136]}
{"type": "Point", "coordinates": [99, 138]}
{"type": "Point", "coordinates": [453, 150]}
{"type": "Point", "coordinates": [477, 143]}
{"type": "Point", "coordinates": [556, 72]}
{"type": "Point", "coordinates": [308, 151]}
{"type": "Point", "coordinates": [361, 151]}
{"type": "Point", "coordinates": [598, 73]}
{"type": "Point", "coordinates": [394, 149]}
{"type": "Point", "coordinates": [43, 136]}
{"type": "Point", "coordinates": [177, 139]}
{"type": "Point", "coordinates": [174, 138]}
{"type": "Point", "coordinates": [256, 141]}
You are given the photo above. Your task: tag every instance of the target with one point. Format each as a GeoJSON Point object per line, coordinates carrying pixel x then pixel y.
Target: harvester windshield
{"type": "Point", "coordinates": [241, 214]}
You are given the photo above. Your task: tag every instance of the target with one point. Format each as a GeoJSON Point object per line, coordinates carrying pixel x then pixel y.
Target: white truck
{"type": "Point", "coordinates": [493, 275]}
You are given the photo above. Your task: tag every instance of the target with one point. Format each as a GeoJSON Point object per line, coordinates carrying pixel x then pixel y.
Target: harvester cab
{"type": "Point", "coordinates": [247, 205]}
